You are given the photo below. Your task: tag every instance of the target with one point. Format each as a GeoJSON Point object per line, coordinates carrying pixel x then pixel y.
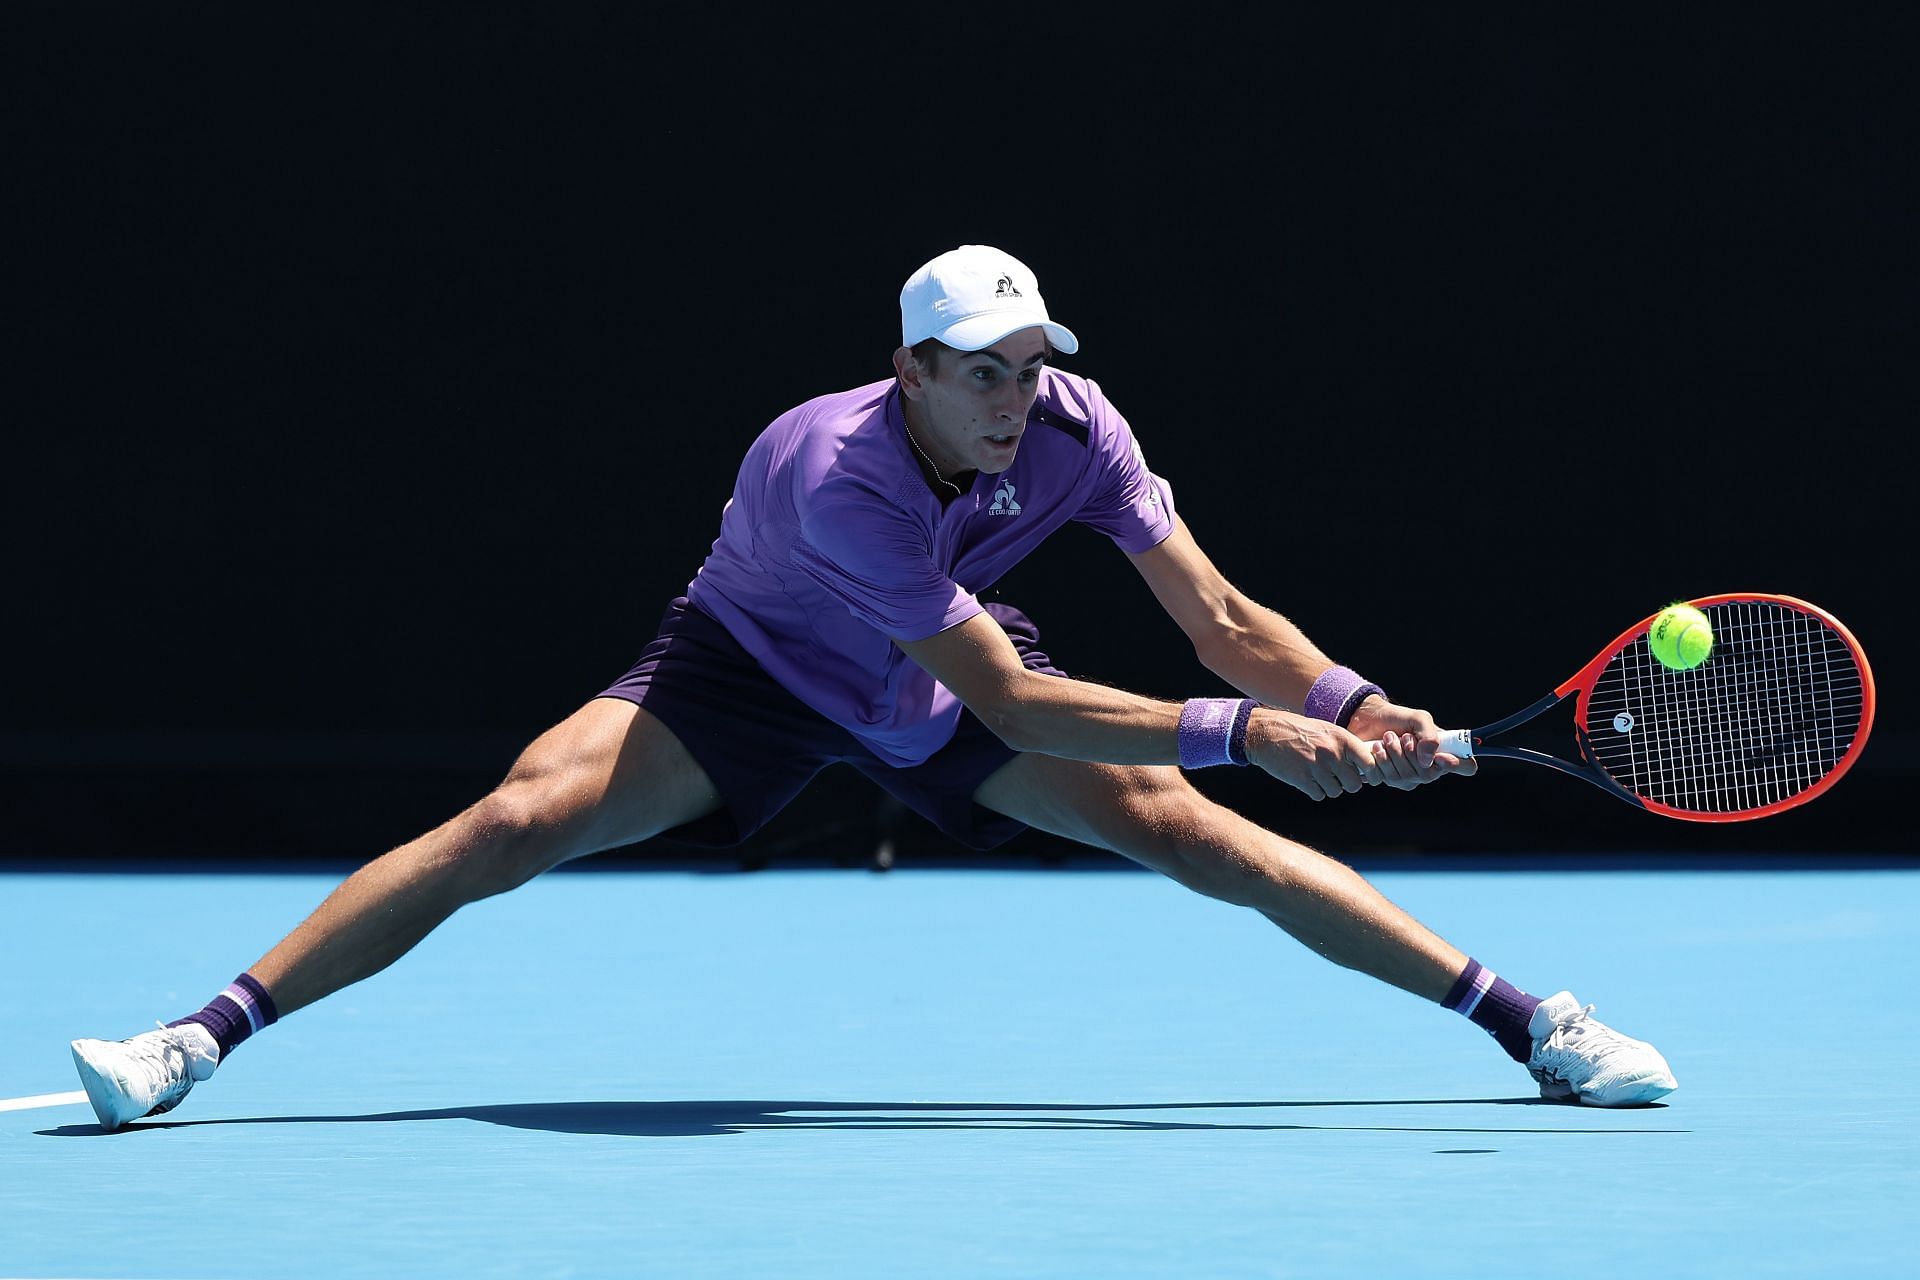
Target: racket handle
{"type": "Point", "coordinates": [1457, 742]}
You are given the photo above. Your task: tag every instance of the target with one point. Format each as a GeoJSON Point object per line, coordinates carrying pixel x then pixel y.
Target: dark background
{"type": "Point", "coordinates": [376, 377]}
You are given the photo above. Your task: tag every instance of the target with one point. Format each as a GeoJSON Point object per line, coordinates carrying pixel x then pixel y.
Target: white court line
{"type": "Point", "coordinates": [43, 1100]}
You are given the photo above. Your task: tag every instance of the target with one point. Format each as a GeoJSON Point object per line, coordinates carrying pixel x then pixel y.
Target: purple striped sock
{"type": "Point", "coordinates": [236, 1013]}
{"type": "Point", "coordinates": [1496, 1006]}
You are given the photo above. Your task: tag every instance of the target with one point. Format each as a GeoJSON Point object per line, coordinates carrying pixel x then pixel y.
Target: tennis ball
{"type": "Point", "coordinates": [1681, 637]}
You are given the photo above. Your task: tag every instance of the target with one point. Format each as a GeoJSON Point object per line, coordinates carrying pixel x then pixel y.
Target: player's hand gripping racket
{"type": "Point", "coordinates": [1772, 718]}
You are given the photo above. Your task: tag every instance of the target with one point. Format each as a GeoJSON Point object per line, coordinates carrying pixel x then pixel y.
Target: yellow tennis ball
{"type": "Point", "coordinates": [1681, 637]}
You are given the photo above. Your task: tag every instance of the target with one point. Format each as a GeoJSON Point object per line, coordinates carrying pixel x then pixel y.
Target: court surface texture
{"type": "Point", "coordinates": [970, 1072]}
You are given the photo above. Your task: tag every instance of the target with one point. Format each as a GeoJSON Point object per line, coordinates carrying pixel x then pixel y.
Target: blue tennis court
{"type": "Point", "coordinates": [969, 1072]}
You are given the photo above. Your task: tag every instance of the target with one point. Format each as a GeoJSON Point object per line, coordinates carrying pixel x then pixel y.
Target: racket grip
{"type": "Point", "coordinates": [1457, 742]}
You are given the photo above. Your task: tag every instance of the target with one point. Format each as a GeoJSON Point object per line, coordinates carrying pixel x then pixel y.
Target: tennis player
{"type": "Point", "coordinates": [837, 619]}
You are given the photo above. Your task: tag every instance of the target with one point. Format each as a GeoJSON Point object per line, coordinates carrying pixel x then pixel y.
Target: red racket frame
{"type": "Point", "coordinates": [1581, 683]}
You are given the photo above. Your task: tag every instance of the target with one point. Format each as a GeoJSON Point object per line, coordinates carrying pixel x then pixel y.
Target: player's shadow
{"type": "Point", "coordinates": [701, 1119]}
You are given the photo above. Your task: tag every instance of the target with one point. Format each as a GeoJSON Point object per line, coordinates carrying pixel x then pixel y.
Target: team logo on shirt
{"type": "Point", "coordinates": [1007, 289]}
{"type": "Point", "coordinates": [1003, 503]}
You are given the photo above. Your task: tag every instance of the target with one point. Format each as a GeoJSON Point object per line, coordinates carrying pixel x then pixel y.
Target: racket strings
{"type": "Point", "coordinates": [1773, 711]}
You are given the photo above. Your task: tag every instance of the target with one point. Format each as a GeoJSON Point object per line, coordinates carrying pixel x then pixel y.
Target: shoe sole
{"type": "Point", "coordinates": [1621, 1093]}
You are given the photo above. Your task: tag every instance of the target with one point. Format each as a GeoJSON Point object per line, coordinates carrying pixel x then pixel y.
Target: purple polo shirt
{"type": "Point", "coordinates": [833, 546]}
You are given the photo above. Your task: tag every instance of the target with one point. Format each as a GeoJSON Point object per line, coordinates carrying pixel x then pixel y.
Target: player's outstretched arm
{"type": "Point", "coordinates": [1082, 721]}
{"type": "Point", "coordinates": [1264, 655]}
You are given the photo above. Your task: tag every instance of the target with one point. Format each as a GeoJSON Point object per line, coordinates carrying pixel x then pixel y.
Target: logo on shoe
{"type": "Point", "coordinates": [1003, 503]}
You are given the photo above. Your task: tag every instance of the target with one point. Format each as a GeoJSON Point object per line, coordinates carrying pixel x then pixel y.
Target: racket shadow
{"type": "Point", "coordinates": [685, 1119]}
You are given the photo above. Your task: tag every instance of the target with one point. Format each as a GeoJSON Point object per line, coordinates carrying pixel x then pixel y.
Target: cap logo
{"type": "Point", "coordinates": [1007, 289]}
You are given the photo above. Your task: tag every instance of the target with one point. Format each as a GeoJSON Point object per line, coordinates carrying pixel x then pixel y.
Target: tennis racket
{"type": "Point", "coordinates": [1774, 716]}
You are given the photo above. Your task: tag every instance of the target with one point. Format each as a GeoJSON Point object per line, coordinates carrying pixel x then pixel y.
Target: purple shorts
{"type": "Point", "coordinates": [760, 745]}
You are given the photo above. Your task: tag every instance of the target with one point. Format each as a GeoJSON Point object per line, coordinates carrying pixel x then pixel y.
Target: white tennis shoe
{"type": "Point", "coordinates": [1577, 1056]}
{"type": "Point", "coordinates": [144, 1076]}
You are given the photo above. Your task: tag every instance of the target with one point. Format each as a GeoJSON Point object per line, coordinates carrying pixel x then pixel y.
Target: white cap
{"type": "Point", "coordinates": [972, 297]}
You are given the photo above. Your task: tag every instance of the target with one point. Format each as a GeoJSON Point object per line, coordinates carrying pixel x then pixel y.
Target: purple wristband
{"type": "Point", "coordinates": [1214, 731]}
{"type": "Point", "coordinates": [1338, 693]}
{"type": "Point", "coordinates": [1237, 740]}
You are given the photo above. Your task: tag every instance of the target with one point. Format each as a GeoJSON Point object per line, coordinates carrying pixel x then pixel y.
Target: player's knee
{"type": "Point", "coordinates": [513, 834]}
{"type": "Point", "coordinates": [1199, 843]}
{"type": "Point", "coordinates": [1167, 825]}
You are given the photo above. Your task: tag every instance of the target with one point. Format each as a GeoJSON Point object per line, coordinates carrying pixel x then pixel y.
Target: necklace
{"type": "Point", "coordinates": [933, 470]}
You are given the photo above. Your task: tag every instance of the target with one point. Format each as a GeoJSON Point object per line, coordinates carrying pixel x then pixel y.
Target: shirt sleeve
{"type": "Point", "coordinates": [877, 561]}
{"type": "Point", "coordinates": [1129, 503]}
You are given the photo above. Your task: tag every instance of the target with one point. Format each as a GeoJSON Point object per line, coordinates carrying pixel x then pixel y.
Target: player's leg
{"type": "Point", "coordinates": [610, 774]}
{"type": "Point", "coordinates": [1155, 817]}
